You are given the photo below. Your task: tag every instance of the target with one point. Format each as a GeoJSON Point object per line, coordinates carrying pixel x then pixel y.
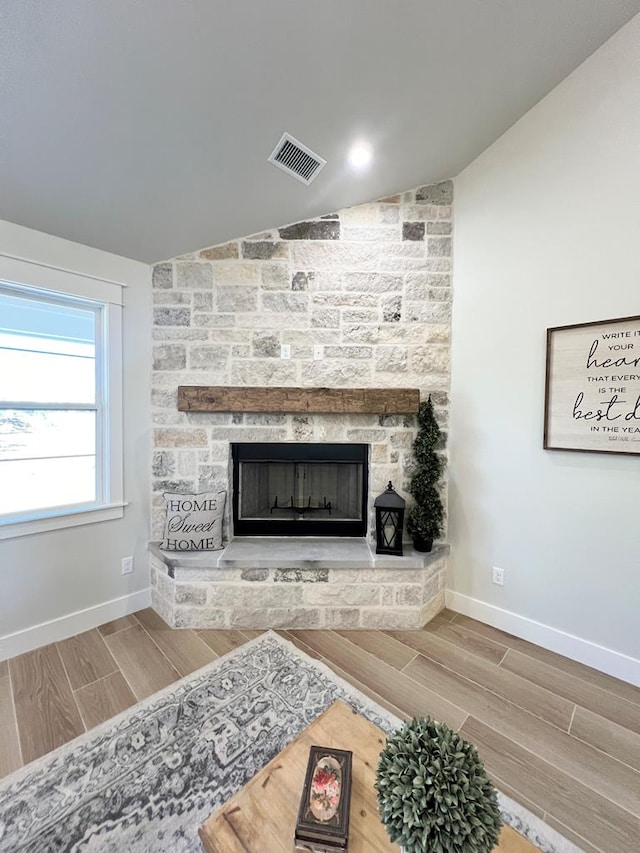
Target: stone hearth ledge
{"type": "Point", "coordinates": [298, 582]}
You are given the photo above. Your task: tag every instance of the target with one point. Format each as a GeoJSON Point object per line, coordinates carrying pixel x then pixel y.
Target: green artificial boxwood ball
{"type": "Point", "coordinates": [434, 794]}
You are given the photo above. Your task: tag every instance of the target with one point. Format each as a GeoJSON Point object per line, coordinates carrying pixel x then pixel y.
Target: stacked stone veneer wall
{"type": "Point", "coordinates": [371, 283]}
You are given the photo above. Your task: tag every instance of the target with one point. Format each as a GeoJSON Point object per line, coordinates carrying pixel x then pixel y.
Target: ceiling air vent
{"type": "Point", "coordinates": [296, 159]}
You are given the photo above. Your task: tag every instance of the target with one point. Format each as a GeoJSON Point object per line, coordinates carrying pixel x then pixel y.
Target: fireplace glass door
{"type": "Point", "coordinates": [300, 489]}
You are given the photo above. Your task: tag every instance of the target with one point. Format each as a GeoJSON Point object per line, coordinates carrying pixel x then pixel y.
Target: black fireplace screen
{"type": "Point", "coordinates": [300, 489]}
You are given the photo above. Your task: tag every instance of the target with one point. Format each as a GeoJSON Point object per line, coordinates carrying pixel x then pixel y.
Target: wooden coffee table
{"type": "Point", "coordinates": [261, 816]}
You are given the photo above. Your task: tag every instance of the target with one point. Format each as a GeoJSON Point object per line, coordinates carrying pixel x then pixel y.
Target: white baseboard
{"type": "Point", "coordinates": [71, 624]}
{"type": "Point", "coordinates": [591, 654]}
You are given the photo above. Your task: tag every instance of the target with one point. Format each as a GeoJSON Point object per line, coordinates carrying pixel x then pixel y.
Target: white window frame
{"type": "Point", "coordinates": [37, 279]}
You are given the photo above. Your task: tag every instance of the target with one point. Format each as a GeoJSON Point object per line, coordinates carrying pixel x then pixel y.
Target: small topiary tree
{"type": "Point", "coordinates": [425, 519]}
{"type": "Point", "coordinates": [434, 794]}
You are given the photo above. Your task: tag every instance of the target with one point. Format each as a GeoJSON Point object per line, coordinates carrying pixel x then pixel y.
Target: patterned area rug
{"type": "Point", "coordinates": [147, 779]}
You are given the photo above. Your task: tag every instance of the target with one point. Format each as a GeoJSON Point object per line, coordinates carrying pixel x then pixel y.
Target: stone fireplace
{"type": "Point", "coordinates": [301, 551]}
{"type": "Point", "coordinates": [359, 298]}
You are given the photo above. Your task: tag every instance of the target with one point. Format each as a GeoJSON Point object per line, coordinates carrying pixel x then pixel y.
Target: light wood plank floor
{"type": "Point", "coordinates": [559, 737]}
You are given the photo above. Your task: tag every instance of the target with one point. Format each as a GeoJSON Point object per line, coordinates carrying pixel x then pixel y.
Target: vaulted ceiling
{"type": "Point", "coordinates": [143, 127]}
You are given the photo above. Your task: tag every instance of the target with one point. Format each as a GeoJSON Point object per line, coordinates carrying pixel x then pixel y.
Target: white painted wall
{"type": "Point", "coordinates": [547, 232]}
{"type": "Point", "coordinates": [71, 578]}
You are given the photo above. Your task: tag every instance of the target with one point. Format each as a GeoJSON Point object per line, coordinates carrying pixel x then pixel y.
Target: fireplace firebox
{"type": "Point", "coordinates": [300, 489]}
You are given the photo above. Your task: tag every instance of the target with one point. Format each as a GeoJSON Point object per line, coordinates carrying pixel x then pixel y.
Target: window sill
{"type": "Point", "coordinates": [13, 530]}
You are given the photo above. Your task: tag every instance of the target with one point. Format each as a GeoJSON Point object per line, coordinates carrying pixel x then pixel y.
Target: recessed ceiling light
{"type": "Point", "coordinates": [360, 155]}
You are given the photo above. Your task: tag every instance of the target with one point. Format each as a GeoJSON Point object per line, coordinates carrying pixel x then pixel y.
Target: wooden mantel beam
{"type": "Point", "coordinates": [242, 398]}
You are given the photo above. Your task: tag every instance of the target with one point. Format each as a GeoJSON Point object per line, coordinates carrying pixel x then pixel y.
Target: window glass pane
{"type": "Point", "coordinates": [47, 459]}
{"type": "Point", "coordinates": [35, 484]}
{"type": "Point", "coordinates": [33, 377]}
{"type": "Point", "coordinates": [47, 351]}
{"type": "Point", "coordinates": [44, 319]}
{"type": "Point", "coordinates": [38, 433]}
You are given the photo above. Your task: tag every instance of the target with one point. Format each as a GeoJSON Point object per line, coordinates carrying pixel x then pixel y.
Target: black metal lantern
{"type": "Point", "coordinates": [389, 521]}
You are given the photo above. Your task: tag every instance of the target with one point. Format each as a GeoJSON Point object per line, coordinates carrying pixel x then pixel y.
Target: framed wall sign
{"type": "Point", "coordinates": [592, 393]}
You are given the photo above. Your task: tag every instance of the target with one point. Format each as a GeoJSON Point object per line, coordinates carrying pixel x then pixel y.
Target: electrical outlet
{"type": "Point", "coordinates": [498, 576]}
{"type": "Point", "coordinates": [127, 565]}
{"type": "Point", "coordinates": [318, 352]}
{"type": "Point", "coordinates": [285, 351]}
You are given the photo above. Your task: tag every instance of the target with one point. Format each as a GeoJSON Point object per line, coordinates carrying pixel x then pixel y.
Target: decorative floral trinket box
{"type": "Point", "coordinates": [323, 816]}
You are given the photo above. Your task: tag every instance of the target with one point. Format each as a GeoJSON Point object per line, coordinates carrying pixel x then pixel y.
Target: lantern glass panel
{"type": "Point", "coordinates": [389, 525]}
